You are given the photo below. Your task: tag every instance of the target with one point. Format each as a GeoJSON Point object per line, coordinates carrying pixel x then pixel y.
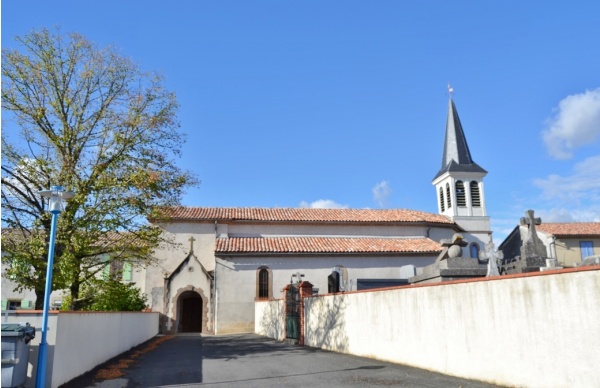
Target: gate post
{"type": "Point", "coordinates": [306, 289]}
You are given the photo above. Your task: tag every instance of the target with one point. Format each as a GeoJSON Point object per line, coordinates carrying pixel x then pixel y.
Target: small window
{"type": "Point", "coordinates": [448, 199]}
{"type": "Point", "coordinates": [587, 249]}
{"type": "Point", "coordinates": [460, 194]}
{"type": "Point", "coordinates": [263, 283]}
{"type": "Point", "coordinates": [475, 198]}
{"type": "Point", "coordinates": [442, 205]}
{"type": "Point", "coordinates": [474, 251]}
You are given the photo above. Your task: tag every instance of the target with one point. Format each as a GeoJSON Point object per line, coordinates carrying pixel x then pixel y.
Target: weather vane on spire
{"type": "Point", "coordinates": [450, 90]}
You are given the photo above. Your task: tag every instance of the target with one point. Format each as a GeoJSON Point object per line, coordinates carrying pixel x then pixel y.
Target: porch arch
{"type": "Point", "coordinates": [190, 307]}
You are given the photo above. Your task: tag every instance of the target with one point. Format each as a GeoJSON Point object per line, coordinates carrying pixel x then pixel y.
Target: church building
{"type": "Point", "coordinates": [227, 258]}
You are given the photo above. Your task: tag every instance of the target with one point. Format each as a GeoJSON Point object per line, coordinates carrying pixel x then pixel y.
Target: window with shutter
{"type": "Point", "coordinates": [442, 205]}
{"type": "Point", "coordinates": [460, 194]}
{"type": "Point", "coordinates": [475, 197]}
{"type": "Point", "coordinates": [127, 271]}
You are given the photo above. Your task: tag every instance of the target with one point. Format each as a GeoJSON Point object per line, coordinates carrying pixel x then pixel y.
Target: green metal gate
{"type": "Point", "coordinates": [292, 313]}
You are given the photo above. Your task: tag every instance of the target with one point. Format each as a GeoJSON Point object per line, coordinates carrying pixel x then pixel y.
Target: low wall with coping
{"type": "Point", "coordinates": [80, 341]}
{"type": "Point", "coordinates": [528, 330]}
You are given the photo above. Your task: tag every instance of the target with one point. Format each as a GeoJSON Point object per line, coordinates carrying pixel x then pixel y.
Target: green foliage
{"type": "Point", "coordinates": [117, 296]}
{"type": "Point", "coordinates": [90, 120]}
{"type": "Point", "coordinates": [109, 295]}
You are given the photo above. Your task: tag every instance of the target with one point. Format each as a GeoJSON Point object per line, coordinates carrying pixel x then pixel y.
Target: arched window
{"type": "Point", "coordinates": [442, 204]}
{"type": "Point", "coordinates": [475, 198]}
{"type": "Point", "coordinates": [264, 283]}
{"type": "Point", "coordinates": [448, 199]}
{"type": "Point", "coordinates": [461, 200]}
{"type": "Point", "coordinates": [474, 250]}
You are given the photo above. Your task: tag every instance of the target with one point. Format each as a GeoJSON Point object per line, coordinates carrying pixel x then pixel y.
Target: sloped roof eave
{"type": "Point", "coordinates": [326, 254]}
{"type": "Point", "coordinates": [324, 246]}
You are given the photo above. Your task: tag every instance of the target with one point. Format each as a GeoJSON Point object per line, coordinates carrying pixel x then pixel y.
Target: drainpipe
{"type": "Point", "coordinates": [215, 301]}
{"type": "Point", "coordinates": [166, 288]}
{"type": "Point", "coordinates": [216, 295]}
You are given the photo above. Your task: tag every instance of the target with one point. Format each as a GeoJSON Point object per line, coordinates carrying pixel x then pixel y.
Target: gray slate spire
{"type": "Point", "coordinates": [457, 156]}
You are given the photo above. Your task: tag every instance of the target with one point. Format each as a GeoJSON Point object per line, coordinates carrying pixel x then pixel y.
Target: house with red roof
{"type": "Point", "coordinates": [570, 243]}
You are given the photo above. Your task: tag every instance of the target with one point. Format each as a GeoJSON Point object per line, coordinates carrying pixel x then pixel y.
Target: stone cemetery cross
{"type": "Point", "coordinates": [191, 240]}
{"type": "Point", "coordinates": [531, 222]}
{"type": "Point", "coordinates": [452, 248]}
{"type": "Point", "coordinates": [493, 257]}
{"type": "Point", "coordinates": [532, 246]}
{"type": "Point", "coordinates": [298, 277]}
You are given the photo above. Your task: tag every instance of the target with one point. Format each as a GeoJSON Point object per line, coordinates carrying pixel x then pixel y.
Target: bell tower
{"type": "Point", "coordinates": [458, 184]}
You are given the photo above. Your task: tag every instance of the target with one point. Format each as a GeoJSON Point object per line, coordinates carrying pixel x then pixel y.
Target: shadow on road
{"type": "Point", "coordinates": [249, 361]}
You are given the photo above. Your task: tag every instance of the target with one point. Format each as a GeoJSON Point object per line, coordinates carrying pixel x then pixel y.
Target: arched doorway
{"type": "Point", "coordinates": [190, 312]}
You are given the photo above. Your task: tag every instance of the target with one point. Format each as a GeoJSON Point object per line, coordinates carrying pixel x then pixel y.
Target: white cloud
{"type": "Point", "coordinates": [572, 198]}
{"type": "Point", "coordinates": [576, 123]}
{"type": "Point", "coordinates": [582, 214]}
{"type": "Point", "coordinates": [582, 185]}
{"type": "Point", "coordinates": [381, 192]}
{"type": "Point", "coordinates": [323, 204]}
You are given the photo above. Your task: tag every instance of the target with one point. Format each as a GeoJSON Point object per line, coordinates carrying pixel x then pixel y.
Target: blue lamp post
{"type": "Point", "coordinates": [56, 195]}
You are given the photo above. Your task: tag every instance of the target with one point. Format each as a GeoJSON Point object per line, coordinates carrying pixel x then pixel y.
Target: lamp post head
{"type": "Point", "coordinates": [56, 195]}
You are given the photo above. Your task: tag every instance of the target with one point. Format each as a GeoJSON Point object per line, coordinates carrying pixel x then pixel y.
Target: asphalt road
{"type": "Point", "coordinates": [248, 361]}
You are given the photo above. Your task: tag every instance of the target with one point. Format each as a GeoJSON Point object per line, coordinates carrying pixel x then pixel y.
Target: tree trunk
{"type": "Point", "coordinates": [75, 302]}
{"type": "Point", "coordinates": [39, 298]}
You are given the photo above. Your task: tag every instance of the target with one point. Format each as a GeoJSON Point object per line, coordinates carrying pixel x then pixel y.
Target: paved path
{"type": "Point", "coordinates": [249, 360]}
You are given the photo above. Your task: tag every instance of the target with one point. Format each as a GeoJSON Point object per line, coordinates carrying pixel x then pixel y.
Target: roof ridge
{"type": "Point", "coordinates": [302, 214]}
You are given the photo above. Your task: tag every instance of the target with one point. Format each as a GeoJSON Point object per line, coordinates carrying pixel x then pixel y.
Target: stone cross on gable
{"type": "Point", "coordinates": [191, 240]}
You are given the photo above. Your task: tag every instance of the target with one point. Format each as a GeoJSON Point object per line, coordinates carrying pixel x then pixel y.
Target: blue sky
{"type": "Point", "coordinates": [343, 103]}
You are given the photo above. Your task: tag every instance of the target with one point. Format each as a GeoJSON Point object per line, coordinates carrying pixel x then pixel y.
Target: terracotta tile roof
{"type": "Point", "coordinates": [571, 229]}
{"type": "Point", "coordinates": [240, 245]}
{"type": "Point", "coordinates": [301, 215]}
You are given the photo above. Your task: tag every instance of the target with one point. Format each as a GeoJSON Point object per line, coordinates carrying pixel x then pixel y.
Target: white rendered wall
{"type": "Point", "coordinates": [79, 341]}
{"type": "Point", "coordinates": [236, 280]}
{"type": "Point", "coordinates": [270, 320]}
{"type": "Point", "coordinates": [522, 330]}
